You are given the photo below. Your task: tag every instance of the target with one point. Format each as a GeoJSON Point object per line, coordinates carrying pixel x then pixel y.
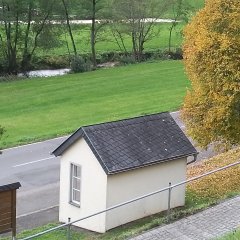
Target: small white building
{"type": "Point", "coordinates": [106, 164]}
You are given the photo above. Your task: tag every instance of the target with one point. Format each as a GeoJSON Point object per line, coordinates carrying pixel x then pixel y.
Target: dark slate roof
{"type": "Point", "coordinates": [9, 187]}
{"type": "Point", "coordinates": [132, 143]}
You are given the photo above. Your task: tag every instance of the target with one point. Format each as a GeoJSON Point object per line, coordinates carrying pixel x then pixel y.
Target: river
{"type": "Point", "coordinates": [47, 73]}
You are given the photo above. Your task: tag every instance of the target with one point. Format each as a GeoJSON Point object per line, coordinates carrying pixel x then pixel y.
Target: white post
{"type": "Point", "coordinates": [169, 202]}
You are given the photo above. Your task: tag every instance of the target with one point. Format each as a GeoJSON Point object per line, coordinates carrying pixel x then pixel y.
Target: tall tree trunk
{"type": "Point", "coordinates": [134, 39]}
{"type": "Point", "coordinates": [43, 22]}
{"type": "Point", "coordinates": [140, 42]}
{"type": "Point", "coordinates": [93, 34]}
{"type": "Point", "coordinates": [140, 52]}
{"type": "Point", "coordinates": [25, 56]}
{"type": "Point", "coordinates": [178, 11]}
{"type": "Point", "coordinates": [11, 51]}
{"type": "Point", "coordinates": [69, 27]}
{"type": "Point", "coordinates": [170, 38]}
{"type": "Point", "coordinates": [135, 54]}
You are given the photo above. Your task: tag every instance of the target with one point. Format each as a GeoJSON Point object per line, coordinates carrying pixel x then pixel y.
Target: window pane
{"type": "Point", "coordinates": [76, 183]}
{"type": "Point", "coordinates": [76, 196]}
{"type": "Point", "coordinates": [76, 171]}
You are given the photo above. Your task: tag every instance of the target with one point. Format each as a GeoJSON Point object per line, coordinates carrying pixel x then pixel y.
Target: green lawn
{"type": "Point", "coordinates": [42, 108]}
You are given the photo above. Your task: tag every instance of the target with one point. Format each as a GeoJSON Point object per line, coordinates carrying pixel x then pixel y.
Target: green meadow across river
{"type": "Point", "coordinates": [41, 108]}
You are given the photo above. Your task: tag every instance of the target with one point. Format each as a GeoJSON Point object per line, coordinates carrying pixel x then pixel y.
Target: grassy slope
{"type": "Point", "coordinates": [46, 107]}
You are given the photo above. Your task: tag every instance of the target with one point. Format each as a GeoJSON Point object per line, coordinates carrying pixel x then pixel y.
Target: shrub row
{"type": "Point", "coordinates": [84, 60]}
{"type": "Point", "coordinates": [83, 63]}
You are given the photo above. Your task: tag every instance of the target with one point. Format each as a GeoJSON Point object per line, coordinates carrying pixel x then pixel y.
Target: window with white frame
{"type": "Point", "coordinates": [75, 192]}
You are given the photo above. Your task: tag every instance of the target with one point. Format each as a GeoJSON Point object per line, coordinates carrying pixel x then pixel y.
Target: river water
{"type": "Point", "coordinates": [47, 73]}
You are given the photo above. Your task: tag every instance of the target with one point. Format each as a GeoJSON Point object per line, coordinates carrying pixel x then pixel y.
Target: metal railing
{"type": "Point", "coordinates": [169, 188]}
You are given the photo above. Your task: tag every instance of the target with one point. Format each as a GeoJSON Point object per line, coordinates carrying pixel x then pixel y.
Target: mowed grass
{"type": "Point", "coordinates": [42, 108]}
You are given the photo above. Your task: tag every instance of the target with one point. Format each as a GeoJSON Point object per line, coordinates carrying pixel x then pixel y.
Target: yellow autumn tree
{"type": "Point", "coordinates": [211, 109]}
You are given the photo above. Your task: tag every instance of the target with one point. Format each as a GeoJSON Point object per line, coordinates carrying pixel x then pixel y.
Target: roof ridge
{"type": "Point", "coordinates": [124, 119]}
{"type": "Point", "coordinates": [117, 126]}
{"type": "Point", "coordinates": [116, 149]}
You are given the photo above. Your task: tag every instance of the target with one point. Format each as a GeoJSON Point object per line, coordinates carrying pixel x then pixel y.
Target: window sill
{"type": "Point", "coordinates": [74, 204]}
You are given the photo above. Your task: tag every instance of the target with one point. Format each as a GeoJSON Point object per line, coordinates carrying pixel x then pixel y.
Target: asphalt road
{"type": "Point", "coordinates": [38, 172]}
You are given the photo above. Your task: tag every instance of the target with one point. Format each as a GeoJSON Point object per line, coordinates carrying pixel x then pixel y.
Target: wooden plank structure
{"type": "Point", "coordinates": [8, 208]}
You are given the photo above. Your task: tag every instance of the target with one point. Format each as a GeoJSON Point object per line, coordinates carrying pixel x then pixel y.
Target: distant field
{"type": "Point", "coordinates": [107, 43]}
{"type": "Point", "coordinates": [197, 4]}
{"type": "Point", "coordinates": [159, 40]}
{"type": "Point", "coordinates": [42, 108]}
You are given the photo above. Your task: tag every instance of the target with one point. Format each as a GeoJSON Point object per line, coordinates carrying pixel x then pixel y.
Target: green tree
{"type": "Point", "coordinates": [137, 18]}
{"type": "Point", "coordinates": [180, 13]}
{"type": "Point", "coordinates": [97, 11]}
{"type": "Point", "coordinates": [68, 6]}
{"type": "Point", "coordinates": [211, 108]}
{"type": "Point", "coordinates": [24, 24]}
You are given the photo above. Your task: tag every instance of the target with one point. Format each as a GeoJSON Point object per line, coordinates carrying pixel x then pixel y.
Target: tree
{"type": "Point", "coordinates": [24, 22]}
{"type": "Point", "coordinates": [96, 9]}
{"type": "Point", "coordinates": [211, 107]}
{"type": "Point", "coordinates": [93, 32]}
{"type": "Point", "coordinates": [38, 29]}
{"type": "Point", "coordinates": [180, 11]}
{"type": "Point", "coordinates": [66, 13]}
{"type": "Point", "coordinates": [137, 19]}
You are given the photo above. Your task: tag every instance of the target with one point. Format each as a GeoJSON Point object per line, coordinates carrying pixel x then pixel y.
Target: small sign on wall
{"type": "Point", "coordinates": [8, 208]}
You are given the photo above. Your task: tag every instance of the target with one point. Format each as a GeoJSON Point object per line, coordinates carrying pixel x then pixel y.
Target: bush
{"type": "Point", "coordinates": [109, 57]}
{"type": "Point", "coordinates": [11, 78]}
{"type": "Point", "coordinates": [177, 55]}
{"type": "Point", "coordinates": [79, 64]}
{"type": "Point", "coordinates": [157, 55]}
{"type": "Point", "coordinates": [49, 62]}
{"type": "Point", "coordinates": [127, 59]}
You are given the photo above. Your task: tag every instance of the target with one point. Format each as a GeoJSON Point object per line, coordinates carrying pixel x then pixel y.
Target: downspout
{"type": "Point", "coordinates": [194, 158]}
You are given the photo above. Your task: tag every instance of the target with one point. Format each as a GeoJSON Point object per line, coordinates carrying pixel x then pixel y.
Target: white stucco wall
{"type": "Point", "coordinates": [127, 185]}
{"type": "Point", "coordinates": [93, 187]}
